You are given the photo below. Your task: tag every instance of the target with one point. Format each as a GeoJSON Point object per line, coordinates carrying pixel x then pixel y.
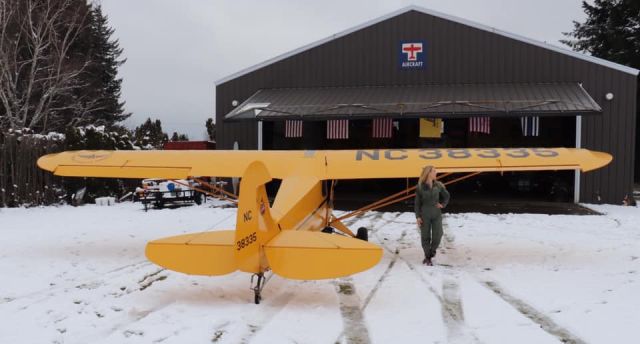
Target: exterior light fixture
{"type": "Point", "coordinates": [608, 96]}
{"type": "Point", "coordinates": [235, 102]}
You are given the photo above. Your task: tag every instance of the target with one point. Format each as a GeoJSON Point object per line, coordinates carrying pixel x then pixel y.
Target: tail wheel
{"type": "Point", "coordinates": [363, 234]}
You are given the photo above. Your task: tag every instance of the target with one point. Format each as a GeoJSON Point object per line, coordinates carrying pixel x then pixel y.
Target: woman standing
{"type": "Point", "coordinates": [431, 197]}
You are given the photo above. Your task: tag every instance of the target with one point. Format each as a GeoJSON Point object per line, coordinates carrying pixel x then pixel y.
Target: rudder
{"type": "Point", "coordinates": [254, 224]}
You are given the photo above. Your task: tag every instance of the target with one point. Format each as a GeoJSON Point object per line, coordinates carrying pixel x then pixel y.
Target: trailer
{"type": "Point", "coordinates": [158, 193]}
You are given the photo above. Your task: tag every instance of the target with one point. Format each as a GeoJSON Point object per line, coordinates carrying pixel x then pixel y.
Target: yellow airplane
{"type": "Point", "coordinates": [290, 236]}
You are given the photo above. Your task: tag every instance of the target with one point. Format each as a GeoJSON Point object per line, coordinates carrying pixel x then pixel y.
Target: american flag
{"type": "Point", "coordinates": [382, 128]}
{"type": "Point", "coordinates": [530, 126]}
{"type": "Point", "coordinates": [480, 125]}
{"type": "Point", "coordinates": [338, 129]}
{"type": "Point", "coordinates": [293, 128]}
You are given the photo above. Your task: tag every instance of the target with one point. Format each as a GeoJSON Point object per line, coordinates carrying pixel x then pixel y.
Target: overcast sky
{"type": "Point", "coordinates": [176, 50]}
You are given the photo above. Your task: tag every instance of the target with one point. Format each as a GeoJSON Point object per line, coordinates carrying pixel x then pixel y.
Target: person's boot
{"type": "Point", "coordinates": [429, 262]}
{"type": "Point", "coordinates": [424, 261]}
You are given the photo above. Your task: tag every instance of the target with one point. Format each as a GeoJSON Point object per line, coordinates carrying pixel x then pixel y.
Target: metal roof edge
{"type": "Point", "coordinates": [531, 41]}
{"type": "Point", "coordinates": [434, 13]}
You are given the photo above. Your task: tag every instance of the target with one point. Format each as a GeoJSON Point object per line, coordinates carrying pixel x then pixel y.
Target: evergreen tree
{"type": "Point", "coordinates": [149, 135]}
{"type": "Point", "coordinates": [211, 129]}
{"type": "Point", "coordinates": [611, 31]}
{"type": "Point", "coordinates": [179, 137]}
{"type": "Point", "coordinates": [101, 75]}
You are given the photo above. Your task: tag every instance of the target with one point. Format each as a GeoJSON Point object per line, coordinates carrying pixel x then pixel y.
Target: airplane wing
{"type": "Point", "coordinates": [336, 164]}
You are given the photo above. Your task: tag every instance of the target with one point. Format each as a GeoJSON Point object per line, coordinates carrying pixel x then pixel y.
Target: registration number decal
{"type": "Point", "coordinates": [455, 153]}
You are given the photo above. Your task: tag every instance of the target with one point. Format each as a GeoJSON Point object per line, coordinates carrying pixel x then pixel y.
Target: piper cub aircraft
{"type": "Point", "coordinates": [298, 236]}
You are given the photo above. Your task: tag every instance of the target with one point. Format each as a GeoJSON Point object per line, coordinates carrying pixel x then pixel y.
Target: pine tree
{"type": "Point", "coordinates": [149, 135]}
{"type": "Point", "coordinates": [611, 31]}
{"type": "Point", "coordinates": [104, 89]}
{"type": "Point", "coordinates": [179, 137]}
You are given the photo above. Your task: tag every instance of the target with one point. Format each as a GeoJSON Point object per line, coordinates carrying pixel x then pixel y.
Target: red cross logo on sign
{"type": "Point", "coordinates": [412, 50]}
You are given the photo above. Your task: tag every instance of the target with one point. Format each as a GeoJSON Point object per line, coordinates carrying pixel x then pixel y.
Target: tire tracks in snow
{"type": "Point", "coordinates": [350, 317]}
{"type": "Point", "coordinates": [94, 283]}
{"type": "Point", "coordinates": [255, 321]}
{"type": "Point", "coordinates": [451, 304]}
{"type": "Point", "coordinates": [355, 329]}
{"type": "Point", "coordinates": [264, 313]}
{"type": "Point", "coordinates": [37, 296]}
{"type": "Point", "coordinates": [544, 321]}
{"type": "Point", "coordinates": [351, 307]}
{"type": "Point", "coordinates": [450, 301]}
{"type": "Point", "coordinates": [524, 308]}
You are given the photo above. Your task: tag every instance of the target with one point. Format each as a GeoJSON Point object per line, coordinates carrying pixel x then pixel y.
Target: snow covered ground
{"type": "Point", "coordinates": [79, 275]}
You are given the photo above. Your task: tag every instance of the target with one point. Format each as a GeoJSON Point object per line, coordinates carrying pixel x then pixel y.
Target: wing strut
{"type": "Point", "coordinates": [396, 197]}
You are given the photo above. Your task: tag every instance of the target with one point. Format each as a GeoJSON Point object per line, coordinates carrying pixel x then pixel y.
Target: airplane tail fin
{"type": "Point", "coordinates": [254, 224]}
{"type": "Point", "coordinates": [222, 252]}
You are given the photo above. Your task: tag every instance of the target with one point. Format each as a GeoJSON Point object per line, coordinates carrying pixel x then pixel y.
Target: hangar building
{"type": "Point", "coordinates": [419, 78]}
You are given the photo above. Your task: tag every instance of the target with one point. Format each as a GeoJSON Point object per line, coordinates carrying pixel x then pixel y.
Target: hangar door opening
{"type": "Point", "coordinates": [546, 186]}
{"type": "Point", "coordinates": [463, 116]}
{"type": "Point", "coordinates": [543, 186]}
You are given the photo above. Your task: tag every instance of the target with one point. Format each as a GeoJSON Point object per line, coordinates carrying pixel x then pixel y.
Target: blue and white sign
{"type": "Point", "coordinates": [412, 55]}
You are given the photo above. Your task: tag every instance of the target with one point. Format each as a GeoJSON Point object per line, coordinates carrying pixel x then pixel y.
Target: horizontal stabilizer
{"type": "Point", "coordinates": [313, 255]}
{"type": "Point", "coordinates": [205, 253]}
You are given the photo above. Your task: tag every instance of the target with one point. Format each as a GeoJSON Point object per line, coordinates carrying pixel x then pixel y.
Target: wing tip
{"type": "Point", "coordinates": [597, 160]}
{"type": "Point", "coordinates": [47, 162]}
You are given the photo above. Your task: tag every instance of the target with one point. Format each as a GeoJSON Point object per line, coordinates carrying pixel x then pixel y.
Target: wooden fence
{"type": "Point", "coordinates": [21, 181]}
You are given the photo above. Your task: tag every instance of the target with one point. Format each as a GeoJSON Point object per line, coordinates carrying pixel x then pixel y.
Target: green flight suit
{"type": "Point", "coordinates": [425, 208]}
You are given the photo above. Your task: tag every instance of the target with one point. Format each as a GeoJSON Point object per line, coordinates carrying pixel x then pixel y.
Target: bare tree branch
{"type": "Point", "coordinates": [38, 75]}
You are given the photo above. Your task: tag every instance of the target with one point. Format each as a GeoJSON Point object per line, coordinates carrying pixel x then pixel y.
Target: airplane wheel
{"type": "Point", "coordinates": [328, 230]}
{"type": "Point", "coordinates": [362, 234]}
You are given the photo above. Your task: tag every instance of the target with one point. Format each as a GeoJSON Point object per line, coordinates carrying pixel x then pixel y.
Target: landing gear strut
{"type": "Point", "coordinates": [257, 289]}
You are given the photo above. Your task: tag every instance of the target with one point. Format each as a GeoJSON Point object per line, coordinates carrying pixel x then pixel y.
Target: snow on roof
{"type": "Point", "coordinates": [452, 18]}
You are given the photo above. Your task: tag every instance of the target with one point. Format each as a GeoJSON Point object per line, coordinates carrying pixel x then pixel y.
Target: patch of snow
{"type": "Point", "coordinates": [78, 275]}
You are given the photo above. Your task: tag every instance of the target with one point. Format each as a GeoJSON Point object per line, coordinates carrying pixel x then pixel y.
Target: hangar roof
{"type": "Point", "coordinates": [417, 101]}
{"type": "Point", "coordinates": [459, 20]}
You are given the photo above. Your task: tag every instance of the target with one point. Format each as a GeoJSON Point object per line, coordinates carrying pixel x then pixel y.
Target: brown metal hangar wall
{"type": "Point", "coordinates": [456, 53]}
